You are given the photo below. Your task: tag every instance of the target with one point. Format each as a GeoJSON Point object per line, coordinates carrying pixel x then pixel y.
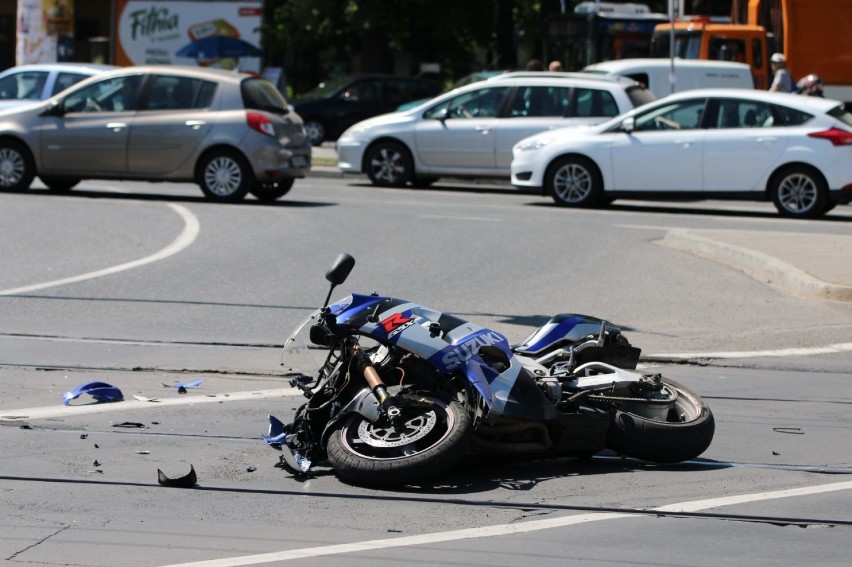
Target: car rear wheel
{"type": "Point", "coordinates": [315, 131]}
{"type": "Point", "coordinates": [799, 192]}
{"type": "Point", "coordinates": [59, 184]}
{"type": "Point", "coordinates": [271, 191]}
{"type": "Point", "coordinates": [388, 164]}
{"type": "Point", "coordinates": [16, 166]}
{"type": "Point", "coordinates": [574, 181]}
{"type": "Point", "coordinates": [224, 175]}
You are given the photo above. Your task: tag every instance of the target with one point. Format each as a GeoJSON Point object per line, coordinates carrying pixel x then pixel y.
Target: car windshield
{"type": "Point", "coordinates": [326, 88]}
{"type": "Point", "coordinates": [260, 94]}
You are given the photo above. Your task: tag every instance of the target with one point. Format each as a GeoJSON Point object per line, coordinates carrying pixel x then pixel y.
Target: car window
{"type": "Point", "coordinates": [841, 114]}
{"type": "Point", "coordinates": [110, 95]}
{"type": "Point", "coordinates": [732, 113]}
{"type": "Point", "coordinates": [25, 85]}
{"type": "Point", "coordinates": [65, 80]}
{"type": "Point", "coordinates": [683, 115]}
{"type": "Point", "coordinates": [540, 101]}
{"type": "Point", "coordinates": [177, 93]}
{"type": "Point", "coordinates": [260, 94]}
{"type": "Point", "coordinates": [367, 90]}
{"type": "Point", "coordinates": [480, 103]}
{"type": "Point", "coordinates": [593, 102]}
{"type": "Point", "coordinates": [785, 116]}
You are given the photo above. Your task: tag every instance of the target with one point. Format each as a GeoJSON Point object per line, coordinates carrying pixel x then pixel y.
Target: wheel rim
{"type": "Point", "coordinates": [420, 431]}
{"type": "Point", "coordinates": [315, 132]}
{"type": "Point", "coordinates": [572, 183]}
{"type": "Point", "coordinates": [223, 176]}
{"type": "Point", "coordinates": [11, 167]}
{"type": "Point", "coordinates": [797, 193]}
{"type": "Point", "coordinates": [387, 165]}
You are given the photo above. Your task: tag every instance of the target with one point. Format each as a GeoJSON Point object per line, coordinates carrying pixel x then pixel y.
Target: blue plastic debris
{"type": "Point", "coordinates": [101, 391]}
{"type": "Point", "coordinates": [277, 432]}
{"type": "Point", "coordinates": [184, 385]}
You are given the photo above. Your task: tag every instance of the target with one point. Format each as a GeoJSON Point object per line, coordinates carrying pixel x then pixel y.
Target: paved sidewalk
{"type": "Point", "coordinates": [812, 266]}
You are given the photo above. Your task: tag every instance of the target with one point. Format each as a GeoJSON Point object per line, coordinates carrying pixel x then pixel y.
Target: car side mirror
{"type": "Point", "coordinates": [442, 114]}
{"type": "Point", "coordinates": [628, 124]}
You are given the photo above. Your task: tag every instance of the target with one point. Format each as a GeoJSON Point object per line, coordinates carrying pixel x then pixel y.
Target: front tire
{"type": "Point", "coordinates": [574, 181]}
{"type": "Point", "coordinates": [17, 169]}
{"type": "Point", "coordinates": [225, 176]}
{"type": "Point", "coordinates": [431, 441]}
{"type": "Point", "coordinates": [799, 192]}
{"type": "Point", "coordinates": [680, 433]}
{"type": "Point", "coordinates": [388, 164]}
{"type": "Point", "coordinates": [268, 192]}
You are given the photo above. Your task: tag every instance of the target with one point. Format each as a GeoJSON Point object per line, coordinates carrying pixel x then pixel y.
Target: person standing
{"type": "Point", "coordinates": [781, 81]}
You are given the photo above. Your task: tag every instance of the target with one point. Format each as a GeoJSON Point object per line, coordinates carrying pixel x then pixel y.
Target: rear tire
{"type": "Point", "coordinates": [315, 132]}
{"type": "Point", "coordinates": [431, 441]}
{"type": "Point", "coordinates": [685, 434]}
{"type": "Point", "coordinates": [59, 184]}
{"type": "Point", "coordinates": [17, 169]}
{"type": "Point", "coordinates": [799, 192]}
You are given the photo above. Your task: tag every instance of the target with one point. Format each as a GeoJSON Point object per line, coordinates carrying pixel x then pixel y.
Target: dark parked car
{"type": "Point", "coordinates": [333, 106]}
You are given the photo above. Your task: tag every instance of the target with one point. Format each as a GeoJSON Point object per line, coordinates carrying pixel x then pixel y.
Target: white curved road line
{"type": "Point", "coordinates": [184, 239]}
{"type": "Point", "coordinates": [782, 352]}
{"type": "Point", "coordinates": [507, 529]}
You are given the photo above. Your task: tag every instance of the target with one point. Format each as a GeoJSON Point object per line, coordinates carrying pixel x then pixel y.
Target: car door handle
{"type": "Point", "coordinates": [767, 140]}
{"type": "Point", "coordinates": [116, 126]}
{"type": "Point", "coordinates": [195, 124]}
{"type": "Point", "coordinates": [483, 129]}
{"type": "Point", "coordinates": [684, 143]}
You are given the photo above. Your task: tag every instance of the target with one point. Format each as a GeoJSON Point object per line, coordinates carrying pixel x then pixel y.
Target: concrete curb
{"type": "Point", "coordinates": [762, 267]}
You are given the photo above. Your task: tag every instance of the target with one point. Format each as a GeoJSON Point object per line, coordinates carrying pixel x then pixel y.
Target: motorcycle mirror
{"type": "Point", "coordinates": [340, 270]}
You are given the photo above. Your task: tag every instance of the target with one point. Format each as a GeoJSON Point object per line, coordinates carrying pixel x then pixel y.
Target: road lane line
{"type": "Point", "coordinates": [184, 239]}
{"type": "Point", "coordinates": [50, 412]}
{"type": "Point", "coordinates": [781, 352]}
{"type": "Point", "coordinates": [507, 529]}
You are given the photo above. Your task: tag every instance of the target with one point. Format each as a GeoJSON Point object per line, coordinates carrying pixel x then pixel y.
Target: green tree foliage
{"type": "Point", "coordinates": [317, 39]}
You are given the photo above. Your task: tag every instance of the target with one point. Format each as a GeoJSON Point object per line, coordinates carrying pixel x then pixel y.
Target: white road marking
{"type": "Point", "coordinates": [810, 351]}
{"type": "Point", "coordinates": [50, 412]}
{"type": "Point", "coordinates": [184, 239]}
{"type": "Point", "coordinates": [507, 529]}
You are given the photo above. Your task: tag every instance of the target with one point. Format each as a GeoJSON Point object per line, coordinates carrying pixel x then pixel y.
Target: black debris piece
{"type": "Point", "coordinates": [188, 481]}
{"type": "Point", "coordinates": [84, 436]}
{"type": "Point", "coordinates": [252, 468]}
{"type": "Point", "coordinates": [96, 463]}
{"type": "Point", "coordinates": [129, 424]}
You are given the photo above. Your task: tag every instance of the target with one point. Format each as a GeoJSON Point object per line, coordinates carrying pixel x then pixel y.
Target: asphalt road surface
{"type": "Point", "coordinates": [147, 285]}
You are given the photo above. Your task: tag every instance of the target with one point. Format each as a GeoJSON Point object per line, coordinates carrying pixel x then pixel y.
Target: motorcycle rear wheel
{"type": "Point", "coordinates": [684, 433]}
{"type": "Point", "coordinates": [431, 441]}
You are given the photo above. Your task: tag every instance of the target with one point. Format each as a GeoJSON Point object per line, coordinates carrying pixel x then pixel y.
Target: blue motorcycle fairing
{"type": "Point", "coordinates": [565, 327]}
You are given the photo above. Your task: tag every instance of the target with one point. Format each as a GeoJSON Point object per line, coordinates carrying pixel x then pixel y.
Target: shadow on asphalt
{"type": "Point", "coordinates": [842, 213]}
{"type": "Point", "coordinates": [172, 198]}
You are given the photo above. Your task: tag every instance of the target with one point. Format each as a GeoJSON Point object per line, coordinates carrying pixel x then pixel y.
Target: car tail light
{"type": "Point", "coordinates": [836, 136]}
{"type": "Point", "coordinates": [261, 123]}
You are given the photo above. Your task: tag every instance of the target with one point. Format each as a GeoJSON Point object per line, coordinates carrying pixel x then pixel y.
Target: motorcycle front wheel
{"type": "Point", "coordinates": [647, 430]}
{"type": "Point", "coordinates": [430, 439]}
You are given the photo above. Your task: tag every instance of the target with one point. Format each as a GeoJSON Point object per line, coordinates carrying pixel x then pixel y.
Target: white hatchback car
{"type": "Point", "coordinates": [710, 144]}
{"type": "Point", "coordinates": [470, 131]}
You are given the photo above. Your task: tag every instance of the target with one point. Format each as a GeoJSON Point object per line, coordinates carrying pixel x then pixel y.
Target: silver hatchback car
{"type": "Point", "coordinates": [230, 133]}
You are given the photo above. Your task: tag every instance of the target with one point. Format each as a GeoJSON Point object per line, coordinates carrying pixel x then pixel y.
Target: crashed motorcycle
{"type": "Point", "coordinates": [399, 393]}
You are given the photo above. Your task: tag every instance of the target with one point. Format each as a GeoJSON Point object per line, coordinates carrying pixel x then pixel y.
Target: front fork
{"type": "Point", "coordinates": [365, 367]}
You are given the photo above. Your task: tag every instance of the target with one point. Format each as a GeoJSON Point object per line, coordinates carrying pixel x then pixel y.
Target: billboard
{"type": "Point", "coordinates": [44, 29]}
{"type": "Point", "coordinates": [169, 33]}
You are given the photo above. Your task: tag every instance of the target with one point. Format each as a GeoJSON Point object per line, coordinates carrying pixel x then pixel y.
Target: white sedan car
{"type": "Point", "coordinates": [26, 84]}
{"type": "Point", "coordinates": [715, 143]}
